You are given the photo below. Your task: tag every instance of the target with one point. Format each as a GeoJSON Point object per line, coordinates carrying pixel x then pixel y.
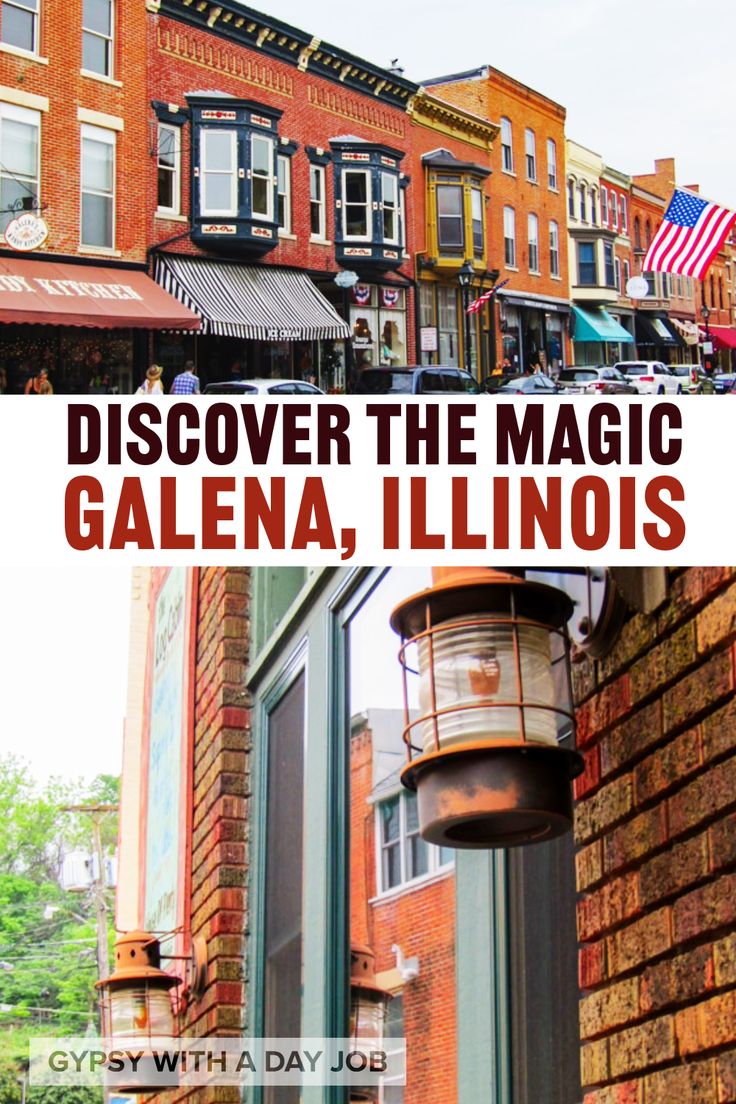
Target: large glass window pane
{"type": "Point", "coordinates": [356, 189]}
{"type": "Point", "coordinates": [476, 207]}
{"type": "Point", "coordinates": [97, 165]}
{"type": "Point", "coordinates": [97, 29]}
{"type": "Point", "coordinates": [261, 176]}
{"type": "Point", "coordinates": [509, 236]}
{"type": "Point", "coordinates": [586, 263]}
{"type": "Point", "coordinates": [283, 920]}
{"type": "Point", "coordinates": [98, 187]}
{"type": "Point", "coordinates": [97, 220]}
{"type": "Point", "coordinates": [19, 24]}
{"type": "Point", "coordinates": [390, 187]}
{"type": "Point", "coordinates": [447, 305]}
{"type": "Point", "coordinates": [450, 216]}
{"type": "Point", "coordinates": [317, 201]}
{"type": "Point", "coordinates": [97, 16]}
{"type": "Point", "coordinates": [218, 150]}
{"type": "Point", "coordinates": [168, 168]}
{"type": "Point", "coordinates": [218, 172]}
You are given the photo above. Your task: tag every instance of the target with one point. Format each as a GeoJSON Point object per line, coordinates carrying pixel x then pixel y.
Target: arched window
{"type": "Point", "coordinates": [582, 197]}
{"type": "Point", "coordinates": [571, 198]}
{"type": "Point", "coordinates": [648, 233]}
{"type": "Point", "coordinates": [637, 233]}
{"type": "Point", "coordinates": [594, 206]}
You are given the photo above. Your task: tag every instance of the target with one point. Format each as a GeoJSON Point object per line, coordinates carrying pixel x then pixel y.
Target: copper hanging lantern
{"type": "Point", "coordinates": [491, 651]}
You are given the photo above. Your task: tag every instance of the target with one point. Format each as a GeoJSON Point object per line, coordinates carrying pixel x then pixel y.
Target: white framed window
{"type": "Point", "coordinates": [402, 208]}
{"type": "Point", "coordinates": [533, 232]}
{"type": "Point", "coordinates": [624, 215]}
{"type": "Point", "coordinates": [218, 177]}
{"type": "Point", "coordinates": [261, 177]}
{"type": "Point", "coordinates": [283, 193]}
{"type": "Point", "coordinates": [450, 219]}
{"type": "Point", "coordinates": [507, 146]}
{"type": "Point", "coordinates": [530, 150]}
{"type": "Point", "coordinates": [552, 164]}
{"type": "Point", "coordinates": [317, 209]}
{"type": "Point", "coordinates": [356, 205]}
{"type": "Point", "coordinates": [19, 24]}
{"type": "Point", "coordinates": [476, 214]}
{"type": "Point", "coordinates": [98, 22]}
{"type": "Point", "coordinates": [403, 856]}
{"type": "Point", "coordinates": [168, 162]}
{"type": "Point", "coordinates": [594, 206]}
{"type": "Point", "coordinates": [20, 146]}
{"type": "Point", "coordinates": [582, 202]}
{"type": "Point", "coordinates": [509, 237]}
{"type": "Point", "coordinates": [98, 187]}
{"type": "Point", "coordinates": [614, 211]}
{"type": "Point", "coordinates": [554, 249]}
{"type": "Point", "coordinates": [571, 198]}
{"type": "Point", "coordinates": [390, 208]}
{"type": "Point", "coordinates": [604, 205]}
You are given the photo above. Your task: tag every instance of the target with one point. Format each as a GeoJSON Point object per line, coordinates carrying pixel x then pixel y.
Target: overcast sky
{"type": "Point", "coordinates": [640, 79]}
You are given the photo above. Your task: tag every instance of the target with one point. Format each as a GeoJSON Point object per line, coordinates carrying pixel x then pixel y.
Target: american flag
{"type": "Point", "coordinates": [476, 305]}
{"type": "Point", "coordinates": [692, 232]}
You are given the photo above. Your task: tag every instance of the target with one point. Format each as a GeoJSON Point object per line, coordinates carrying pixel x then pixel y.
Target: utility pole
{"type": "Point", "coordinates": [97, 812]}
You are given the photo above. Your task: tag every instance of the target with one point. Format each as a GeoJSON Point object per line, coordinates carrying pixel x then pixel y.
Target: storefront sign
{"type": "Point", "coordinates": [428, 339]}
{"type": "Point", "coordinates": [26, 232]}
{"type": "Point", "coordinates": [285, 334]}
{"type": "Point", "coordinates": [70, 288]}
{"type": "Point", "coordinates": [708, 347]}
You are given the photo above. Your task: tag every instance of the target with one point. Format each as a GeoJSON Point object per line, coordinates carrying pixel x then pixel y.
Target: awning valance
{"type": "Point", "coordinates": [258, 303]}
{"type": "Point", "coordinates": [55, 293]}
{"type": "Point", "coordinates": [596, 324]}
{"type": "Point", "coordinates": [723, 336]}
{"type": "Point", "coordinates": [687, 330]}
{"type": "Point", "coordinates": [651, 330]}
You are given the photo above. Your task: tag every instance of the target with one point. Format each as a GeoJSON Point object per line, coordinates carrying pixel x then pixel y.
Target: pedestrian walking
{"type": "Point", "coordinates": [39, 384]}
{"type": "Point", "coordinates": [186, 383]}
{"type": "Point", "coordinates": [152, 384]}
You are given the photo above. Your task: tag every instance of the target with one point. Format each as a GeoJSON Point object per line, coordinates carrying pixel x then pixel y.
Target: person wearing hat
{"type": "Point", "coordinates": [152, 384]}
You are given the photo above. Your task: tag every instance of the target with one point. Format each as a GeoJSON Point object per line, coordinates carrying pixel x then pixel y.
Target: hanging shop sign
{"type": "Point", "coordinates": [26, 232]}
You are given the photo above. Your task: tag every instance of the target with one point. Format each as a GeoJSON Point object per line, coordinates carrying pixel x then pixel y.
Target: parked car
{"type": "Point", "coordinates": [724, 382]}
{"type": "Point", "coordinates": [594, 379]}
{"type": "Point", "coordinates": [650, 377]}
{"type": "Point", "coordinates": [537, 386]}
{"type": "Point", "coordinates": [694, 379]}
{"type": "Point", "coordinates": [262, 387]}
{"type": "Point", "coordinates": [494, 383]}
{"type": "Point", "coordinates": [434, 380]}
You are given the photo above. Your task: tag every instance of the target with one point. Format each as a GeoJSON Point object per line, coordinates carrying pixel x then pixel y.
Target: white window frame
{"type": "Point", "coordinates": [604, 205]}
{"type": "Point", "coordinates": [317, 172]}
{"type": "Point", "coordinates": [614, 210]}
{"type": "Point", "coordinates": [29, 118]}
{"type": "Point", "coordinates": [509, 222]}
{"type": "Point", "coordinates": [533, 241]}
{"type": "Point", "coordinates": [268, 177]}
{"type": "Point", "coordinates": [554, 248]}
{"type": "Point", "coordinates": [175, 172]}
{"type": "Point", "coordinates": [476, 192]}
{"type": "Point", "coordinates": [443, 246]}
{"type": "Point", "coordinates": [402, 215]}
{"type": "Point", "coordinates": [368, 236]}
{"type": "Point", "coordinates": [204, 172]}
{"type": "Point", "coordinates": [109, 39]}
{"type": "Point", "coordinates": [507, 146]}
{"type": "Point", "coordinates": [395, 239]}
{"type": "Point", "coordinates": [435, 866]}
{"type": "Point", "coordinates": [530, 155]}
{"type": "Point", "coordinates": [34, 50]}
{"type": "Point", "coordinates": [282, 161]}
{"type": "Point", "coordinates": [552, 164]}
{"type": "Point", "coordinates": [624, 214]}
{"type": "Point", "coordinates": [571, 195]}
{"type": "Point", "coordinates": [109, 138]}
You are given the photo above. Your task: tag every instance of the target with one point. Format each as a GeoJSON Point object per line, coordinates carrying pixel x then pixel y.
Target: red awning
{"type": "Point", "coordinates": [52, 293]}
{"type": "Point", "coordinates": [723, 336]}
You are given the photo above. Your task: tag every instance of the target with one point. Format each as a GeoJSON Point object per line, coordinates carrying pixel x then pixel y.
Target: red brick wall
{"type": "Point", "coordinates": [656, 830]}
{"type": "Point", "coordinates": [67, 90]}
{"type": "Point", "coordinates": [421, 920]}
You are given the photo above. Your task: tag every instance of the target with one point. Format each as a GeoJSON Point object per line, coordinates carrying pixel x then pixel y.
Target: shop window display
{"type": "Point", "coordinates": [378, 325]}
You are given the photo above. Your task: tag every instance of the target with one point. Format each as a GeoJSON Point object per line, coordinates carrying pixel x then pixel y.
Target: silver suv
{"type": "Point", "coordinates": [594, 379]}
{"type": "Point", "coordinates": [650, 377]}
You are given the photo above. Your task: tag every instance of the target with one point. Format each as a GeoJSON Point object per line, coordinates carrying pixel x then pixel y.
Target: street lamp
{"type": "Point", "coordinates": [465, 278]}
{"type": "Point", "coordinates": [368, 1008]}
{"type": "Point", "coordinates": [491, 651]}
{"type": "Point", "coordinates": [707, 349]}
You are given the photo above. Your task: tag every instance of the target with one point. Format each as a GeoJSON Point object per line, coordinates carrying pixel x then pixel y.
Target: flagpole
{"type": "Point", "coordinates": [705, 311]}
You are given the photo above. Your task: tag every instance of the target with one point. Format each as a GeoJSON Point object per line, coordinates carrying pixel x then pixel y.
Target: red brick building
{"type": "Point", "coordinates": [527, 221]}
{"type": "Point", "coordinates": [71, 136]}
{"type": "Point", "coordinates": [280, 160]}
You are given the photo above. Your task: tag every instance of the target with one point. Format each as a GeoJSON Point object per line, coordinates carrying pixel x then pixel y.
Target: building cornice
{"type": "Point", "coordinates": [436, 114]}
{"type": "Point", "coordinates": [256, 31]}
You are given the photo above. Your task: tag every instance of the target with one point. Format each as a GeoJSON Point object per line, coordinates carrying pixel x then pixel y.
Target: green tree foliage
{"type": "Point", "coordinates": [48, 962]}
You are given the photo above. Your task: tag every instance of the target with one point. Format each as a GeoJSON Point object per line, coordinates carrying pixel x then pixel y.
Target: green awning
{"type": "Point", "coordinates": [596, 324]}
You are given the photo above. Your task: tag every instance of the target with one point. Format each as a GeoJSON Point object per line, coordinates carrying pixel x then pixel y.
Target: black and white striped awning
{"type": "Point", "coordinates": [264, 303]}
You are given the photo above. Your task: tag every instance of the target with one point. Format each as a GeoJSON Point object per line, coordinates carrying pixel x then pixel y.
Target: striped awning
{"type": "Point", "coordinates": [258, 303]}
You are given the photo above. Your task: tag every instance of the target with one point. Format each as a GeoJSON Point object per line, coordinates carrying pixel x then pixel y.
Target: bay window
{"type": "Point", "coordinates": [218, 172]}
{"type": "Point", "coordinates": [97, 36]}
{"type": "Point", "coordinates": [509, 237]}
{"type": "Point", "coordinates": [20, 131]}
{"type": "Point", "coordinates": [20, 24]}
{"type": "Point", "coordinates": [283, 193]}
{"type": "Point", "coordinates": [554, 249]}
{"type": "Point", "coordinates": [98, 187]}
{"type": "Point", "coordinates": [356, 204]}
{"type": "Point", "coordinates": [450, 217]}
{"type": "Point", "coordinates": [317, 202]}
{"type": "Point", "coordinates": [261, 162]}
{"type": "Point", "coordinates": [587, 273]}
{"type": "Point", "coordinates": [390, 208]}
{"type": "Point", "coordinates": [533, 234]}
{"type": "Point", "coordinates": [168, 164]}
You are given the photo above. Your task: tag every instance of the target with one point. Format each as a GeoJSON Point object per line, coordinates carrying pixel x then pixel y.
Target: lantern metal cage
{"type": "Point", "coordinates": [492, 654]}
{"type": "Point", "coordinates": [368, 1008]}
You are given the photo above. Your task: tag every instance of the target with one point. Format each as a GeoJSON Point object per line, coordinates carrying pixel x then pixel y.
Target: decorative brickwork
{"type": "Point", "coordinates": [656, 825]}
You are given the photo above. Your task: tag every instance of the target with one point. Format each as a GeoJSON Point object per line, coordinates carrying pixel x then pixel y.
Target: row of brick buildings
{"type": "Point", "coordinates": [243, 165]}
